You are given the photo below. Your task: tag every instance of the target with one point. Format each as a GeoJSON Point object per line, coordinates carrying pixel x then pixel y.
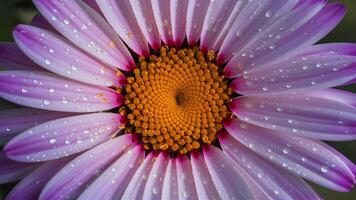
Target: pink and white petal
{"type": "Point", "coordinates": [39, 21]}
{"type": "Point", "coordinates": [145, 19]}
{"type": "Point", "coordinates": [274, 181]}
{"type": "Point", "coordinates": [186, 186]}
{"type": "Point", "coordinates": [306, 115]}
{"type": "Point", "coordinates": [14, 121]}
{"type": "Point", "coordinates": [204, 185]}
{"type": "Point", "coordinates": [248, 21]}
{"type": "Point", "coordinates": [112, 182]}
{"type": "Point", "coordinates": [257, 192]}
{"type": "Point", "coordinates": [170, 183]}
{"type": "Point", "coordinates": [57, 55]}
{"type": "Point", "coordinates": [196, 12]}
{"type": "Point", "coordinates": [63, 137]}
{"type": "Point", "coordinates": [216, 16]}
{"type": "Point", "coordinates": [11, 171]}
{"type": "Point", "coordinates": [50, 92]}
{"type": "Point", "coordinates": [87, 29]}
{"type": "Point", "coordinates": [178, 11]}
{"type": "Point", "coordinates": [153, 188]}
{"type": "Point", "coordinates": [298, 74]}
{"type": "Point", "coordinates": [31, 186]}
{"type": "Point", "coordinates": [135, 188]}
{"type": "Point", "coordinates": [312, 160]}
{"type": "Point", "coordinates": [12, 58]}
{"type": "Point", "coordinates": [71, 180]}
{"type": "Point", "coordinates": [228, 182]}
{"type": "Point", "coordinates": [299, 29]}
{"type": "Point", "coordinates": [121, 17]}
{"type": "Point", "coordinates": [162, 15]}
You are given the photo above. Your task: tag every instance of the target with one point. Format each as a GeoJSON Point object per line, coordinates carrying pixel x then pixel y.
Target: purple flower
{"type": "Point", "coordinates": [179, 99]}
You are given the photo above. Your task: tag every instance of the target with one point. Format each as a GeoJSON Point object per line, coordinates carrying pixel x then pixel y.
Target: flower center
{"type": "Point", "coordinates": [176, 100]}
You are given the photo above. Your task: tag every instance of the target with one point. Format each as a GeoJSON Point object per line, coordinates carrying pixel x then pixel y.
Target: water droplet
{"type": "Point", "coordinates": [268, 14]}
{"type": "Point", "coordinates": [48, 62]}
{"type": "Point", "coordinates": [66, 22]}
{"type": "Point", "coordinates": [286, 150]}
{"type": "Point", "coordinates": [52, 141]}
{"type": "Point", "coordinates": [23, 90]}
{"type": "Point", "coordinates": [155, 191]}
{"type": "Point", "coordinates": [51, 90]}
{"type": "Point", "coordinates": [46, 102]}
{"type": "Point", "coordinates": [324, 169]}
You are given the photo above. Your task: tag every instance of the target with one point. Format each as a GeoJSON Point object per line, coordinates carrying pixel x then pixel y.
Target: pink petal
{"type": "Point", "coordinates": [308, 115]}
{"type": "Point", "coordinates": [313, 160]}
{"type": "Point", "coordinates": [145, 19]}
{"type": "Point", "coordinates": [275, 182]}
{"type": "Point", "coordinates": [71, 180]}
{"type": "Point", "coordinates": [135, 188]}
{"type": "Point", "coordinates": [153, 188]}
{"type": "Point", "coordinates": [170, 183]}
{"type": "Point", "coordinates": [88, 30]}
{"type": "Point", "coordinates": [31, 186]}
{"type": "Point", "coordinates": [329, 50]}
{"type": "Point", "coordinates": [162, 15]}
{"type": "Point", "coordinates": [50, 92]}
{"type": "Point", "coordinates": [63, 137]}
{"type": "Point", "coordinates": [178, 11]}
{"type": "Point", "coordinates": [112, 182]}
{"type": "Point", "coordinates": [12, 58]}
{"type": "Point", "coordinates": [121, 17]}
{"type": "Point", "coordinates": [227, 180]}
{"type": "Point", "coordinates": [186, 185]}
{"type": "Point", "coordinates": [55, 54]}
{"type": "Point", "coordinates": [195, 19]}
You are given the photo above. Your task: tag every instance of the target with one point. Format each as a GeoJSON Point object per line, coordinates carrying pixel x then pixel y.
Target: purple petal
{"type": "Point", "coordinates": [71, 180]}
{"type": "Point", "coordinates": [88, 30]}
{"type": "Point", "coordinates": [121, 17]}
{"type": "Point", "coordinates": [162, 15]}
{"type": "Point", "coordinates": [55, 54]}
{"type": "Point", "coordinates": [14, 121]}
{"type": "Point", "coordinates": [313, 160]}
{"type": "Point", "coordinates": [153, 188]}
{"type": "Point", "coordinates": [11, 171]}
{"type": "Point", "coordinates": [178, 16]}
{"type": "Point", "coordinates": [50, 92]}
{"type": "Point", "coordinates": [112, 182]}
{"type": "Point", "coordinates": [227, 180]}
{"type": "Point", "coordinates": [195, 19]}
{"type": "Point", "coordinates": [135, 188]}
{"type": "Point", "coordinates": [307, 24]}
{"type": "Point", "coordinates": [31, 186]}
{"type": "Point", "coordinates": [204, 184]}
{"type": "Point", "coordinates": [345, 49]}
{"type": "Point", "coordinates": [276, 183]}
{"type": "Point", "coordinates": [39, 21]}
{"type": "Point", "coordinates": [170, 183]}
{"type": "Point", "coordinates": [186, 185]}
{"type": "Point", "coordinates": [63, 137]}
{"type": "Point", "coordinates": [12, 58]}
{"type": "Point", "coordinates": [308, 115]}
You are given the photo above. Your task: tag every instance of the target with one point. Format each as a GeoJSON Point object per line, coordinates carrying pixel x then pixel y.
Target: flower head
{"type": "Point", "coordinates": [176, 99]}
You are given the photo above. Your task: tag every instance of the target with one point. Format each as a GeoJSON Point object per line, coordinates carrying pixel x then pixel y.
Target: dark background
{"type": "Point", "coordinates": [13, 12]}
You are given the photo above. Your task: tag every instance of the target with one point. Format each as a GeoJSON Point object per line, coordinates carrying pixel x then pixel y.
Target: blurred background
{"type": "Point", "coordinates": [13, 12]}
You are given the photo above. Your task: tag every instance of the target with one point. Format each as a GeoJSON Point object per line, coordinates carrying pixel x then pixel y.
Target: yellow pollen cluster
{"type": "Point", "coordinates": [176, 101]}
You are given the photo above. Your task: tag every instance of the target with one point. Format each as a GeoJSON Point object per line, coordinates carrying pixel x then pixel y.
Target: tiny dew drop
{"type": "Point", "coordinates": [324, 169]}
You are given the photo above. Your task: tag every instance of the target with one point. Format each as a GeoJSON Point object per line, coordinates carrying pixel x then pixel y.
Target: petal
{"type": "Point", "coordinates": [227, 180]}
{"type": "Point", "coordinates": [203, 183]}
{"type": "Point", "coordinates": [304, 26]}
{"type": "Point", "coordinates": [153, 188]}
{"type": "Point", "coordinates": [112, 182]}
{"type": "Point", "coordinates": [88, 30]}
{"type": "Point", "coordinates": [178, 11]}
{"type": "Point", "coordinates": [296, 74]}
{"type": "Point", "coordinates": [50, 92]}
{"type": "Point", "coordinates": [55, 54]}
{"type": "Point", "coordinates": [31, 186]}
{"type": "Point", "coordinates": [11, 171]}
{"type": "Point", "coordinates": [71, 180]}
{"type": "Point", "coordinates": [313, 160]}
{"type": "Point", "coordinates": [307, 115]}
{"type": "Point", "coordinates": [63, 137]}
{"type": "Point", "coordinates": [145, 20]}
{"type": "Point", "coordinates": [135, 188]}
{"type": "Point", "coordinates": [276, 183]}
{"type": "Point", "coordinates": [12, 58]}
{"type": "Point", "coordinates": [14, 121]}
{"type": "Point", "coordinates": [347, 49]}
{"type": "Point", "coordinates": [121, 17]}
{"type": "Point", "coordinates": [39, 21]}
{"type": "Point", "coordinates": [162, 15]}
{"type": "Point", "coordinates": [170, 184]}
{"type": "Point", "coordinates": [186, 186]}
{"type": "Point", "coordinates": [247, 22]}
{"type": "Point", "coordinates": [195, 19]}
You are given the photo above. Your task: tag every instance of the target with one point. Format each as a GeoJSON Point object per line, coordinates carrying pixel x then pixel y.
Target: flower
{"type": "Point", "coordinates": [233, 104]}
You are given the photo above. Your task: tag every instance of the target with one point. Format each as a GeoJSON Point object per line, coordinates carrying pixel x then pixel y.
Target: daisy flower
{"type": "Point", "coordinates": [176, 99]}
